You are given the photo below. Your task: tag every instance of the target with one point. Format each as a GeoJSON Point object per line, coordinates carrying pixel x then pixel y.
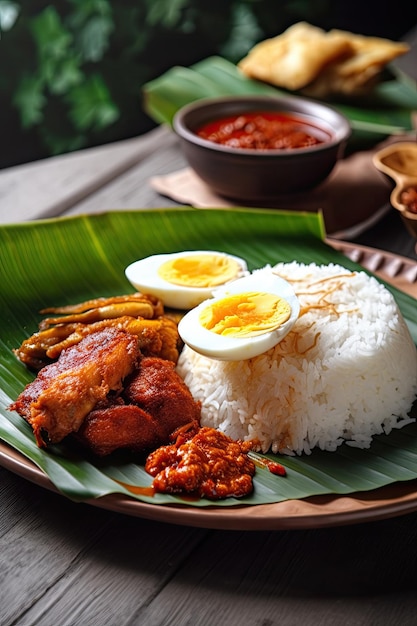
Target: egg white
{"type": "Point", "coordinates": [224, 348]}
{"type": "Point", "coordinates": [143, 275]}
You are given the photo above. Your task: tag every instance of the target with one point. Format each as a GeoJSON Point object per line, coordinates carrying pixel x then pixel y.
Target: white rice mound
{"type": "Point", "coordinates": [346, 372]}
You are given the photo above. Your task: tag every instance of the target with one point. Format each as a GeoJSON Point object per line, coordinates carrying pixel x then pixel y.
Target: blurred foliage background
{"type": "Point", "coordinates": [72, 70]}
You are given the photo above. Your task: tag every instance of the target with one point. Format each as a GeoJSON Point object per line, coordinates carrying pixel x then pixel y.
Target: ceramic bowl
{"type": "Point", "coordinates": [255, 175]}
{"type": "Point", "coordinates": [399, 162]}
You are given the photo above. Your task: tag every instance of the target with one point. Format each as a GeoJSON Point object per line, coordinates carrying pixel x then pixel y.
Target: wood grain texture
{"type": "Point", "coordinates": [50, 187]}
{"type": "Point", "coordinates": [70, 564]}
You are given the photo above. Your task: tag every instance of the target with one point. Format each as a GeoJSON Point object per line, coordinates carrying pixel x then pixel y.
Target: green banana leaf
{"type": "Point", "coordinates": [387, 111]}
{"type": "Point", "coordinates": [63, 261]}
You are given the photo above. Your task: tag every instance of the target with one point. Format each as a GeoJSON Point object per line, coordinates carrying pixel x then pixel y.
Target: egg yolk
{"type": "Point", "coordinates": [245, 314]}
{"type": "Point", "coordinates": [199, 270]}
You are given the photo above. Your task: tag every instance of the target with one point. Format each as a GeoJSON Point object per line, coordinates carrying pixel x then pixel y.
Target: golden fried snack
{"type": "Point", "coordinates": [321, 63]}
{"type": "Point", "coordinates": [63, 393]}
{"type": "Point", "coordinates": [295, 58]}
{"type": "Point", "coordinates": [360, 71]}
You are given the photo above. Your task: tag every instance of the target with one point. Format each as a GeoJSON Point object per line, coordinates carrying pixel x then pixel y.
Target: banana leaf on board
{"type": "Point", "coordinates": [63, 261]}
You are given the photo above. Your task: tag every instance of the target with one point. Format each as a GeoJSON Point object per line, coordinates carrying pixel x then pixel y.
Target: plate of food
{"type": "Point", "coordinates": [78, 335]}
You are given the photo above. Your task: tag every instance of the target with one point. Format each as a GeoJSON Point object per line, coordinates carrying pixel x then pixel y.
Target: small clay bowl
{"type": "Point", "coordinates": [399, 162]}
{"type": "Point", "coordinates": [260, 175]}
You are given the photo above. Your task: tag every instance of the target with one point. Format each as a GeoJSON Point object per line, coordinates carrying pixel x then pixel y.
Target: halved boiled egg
{"type": "Point", "coordinates": [243, 319]}
{"type": "Point", "coordinates": [184, 279]}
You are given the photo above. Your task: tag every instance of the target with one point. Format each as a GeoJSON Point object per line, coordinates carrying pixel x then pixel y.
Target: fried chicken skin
{"type": "Point", "coordinates": [120, 427]}
{"type": "Point", "coordinates": [56, 403]}
{"type": "Point", "coordinates": [158, 389]}
{"type": "Point", "coordinates": [156, 402]}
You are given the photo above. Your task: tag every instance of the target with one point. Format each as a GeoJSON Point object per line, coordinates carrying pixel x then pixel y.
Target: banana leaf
{"type": "Point", "coordinates": [66, 260]}
{"type": "Point", "coordinates": [386, 112]}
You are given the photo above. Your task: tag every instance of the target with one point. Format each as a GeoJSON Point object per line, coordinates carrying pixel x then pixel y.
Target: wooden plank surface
{"type": "Point", "coordinates": [50, 187]}
{"type": "Point", "coordinates": [68, 564]}
{"type": "Point", "coordinates": [132, 189]}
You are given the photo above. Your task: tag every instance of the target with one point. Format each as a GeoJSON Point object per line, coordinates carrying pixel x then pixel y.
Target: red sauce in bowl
{"type": "Point", "coordinates": [263, 130]}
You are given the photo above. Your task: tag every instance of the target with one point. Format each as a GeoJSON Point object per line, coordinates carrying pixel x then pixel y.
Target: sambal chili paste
{"type": "Point", "coordinates": [205, 463]}
{"type": "Point", "coordinates": [263, 131]}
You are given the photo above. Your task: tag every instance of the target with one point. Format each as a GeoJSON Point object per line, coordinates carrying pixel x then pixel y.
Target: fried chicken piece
{"type": "Point", "coordinates": [118, 427]}
{"type": "Point", "coordinates": [63, 393]}
{"type": "Point", "coordinates": [157, 337]}
{"type": "Point", "coordinates": [170, 340]}
{"type": "Point", "coordinates": [121, 427]}
{"type": "Point", "coordinates": [157, 403]}
{"type": "Point", "coordinates": [33, 351]}
{"type": "Point", "coordinates": [158, 389]}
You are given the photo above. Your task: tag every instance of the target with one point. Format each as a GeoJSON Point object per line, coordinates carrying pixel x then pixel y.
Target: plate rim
{"type": "Point", "coordinates": [314, 512]}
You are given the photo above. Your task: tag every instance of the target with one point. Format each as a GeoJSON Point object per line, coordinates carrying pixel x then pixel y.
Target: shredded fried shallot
{"type": "Point", "coordinates": [313, 300]}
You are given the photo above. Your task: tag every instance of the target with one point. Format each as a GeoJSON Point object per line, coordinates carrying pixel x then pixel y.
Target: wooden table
{"type": "Point", "coordinates": [67, 564]}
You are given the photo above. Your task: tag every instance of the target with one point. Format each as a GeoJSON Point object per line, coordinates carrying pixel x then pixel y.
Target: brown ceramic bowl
{"type": "Point", "coordinates": [261, 175]}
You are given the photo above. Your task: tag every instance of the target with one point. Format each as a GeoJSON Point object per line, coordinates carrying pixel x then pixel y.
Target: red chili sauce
{"type": "Point", "coordinates": [205, 463]}
{"type": "Point", "coordinates": [263, 130]}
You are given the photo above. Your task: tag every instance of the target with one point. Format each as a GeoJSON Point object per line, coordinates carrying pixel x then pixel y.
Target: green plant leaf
{"type": "Point", "coordinates": [383, 115]}
{"type": "Point", "coordinates": [93, 40]}
{"type": "Point", "coordinates": [62, 261]}
{"type": "Point", "coordinates": [165, 12]}
{"type": "Point", "coordinates": [91, 106]}
{"type": "Point", "coordinates": [52, 38]}
{"type": "Point", "coordinates": [63, 74]}
{"type": "Point", "coordinates": [30, 100]}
